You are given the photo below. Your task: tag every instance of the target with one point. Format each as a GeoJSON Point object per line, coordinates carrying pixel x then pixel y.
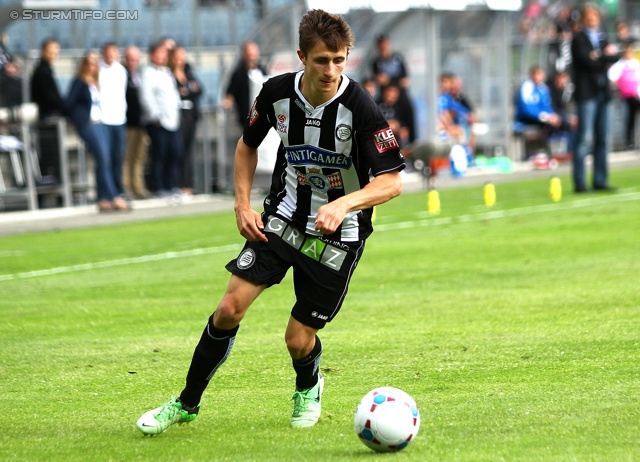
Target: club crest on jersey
{"type": "Point", "coordinates": [253, 113]}
{"type": "Point", "coordinates": [385, 140]}
{"type": "Point", "coordinates": [313, 156]}
{"type": "Point", "coordinates": [282, 127]}
{"type": "Point", "coordinates": [318, 182]}
{"type": "Point", "coordinates": [343, 132]}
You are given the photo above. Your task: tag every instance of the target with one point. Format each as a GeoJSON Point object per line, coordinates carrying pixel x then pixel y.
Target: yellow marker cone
{"type": "Point", "coordinates": [433, 202]}
{"type": "Point", "coordinates": [374, 215]}
{"type": "Point", "coordinates": [555, 189]}
{"type": "Point", "coordinates": [489, 194]}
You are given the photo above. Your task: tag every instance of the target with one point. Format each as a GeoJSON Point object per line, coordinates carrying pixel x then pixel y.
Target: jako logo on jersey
{"type": "Point", "coordinates": [315, 314]}
{"type": "Point", "coordinates": [385, 140]}
{"type": "Point", "coordinates": [253, 113]}
{"type": "Point", "coordinates": [313, 122]}
{"type": "Point", "coordinates": [313, 155]}
{"type": "Point", "coordinates": [282, 127]}
{"type": "Point", "coordinates": [343, 132]}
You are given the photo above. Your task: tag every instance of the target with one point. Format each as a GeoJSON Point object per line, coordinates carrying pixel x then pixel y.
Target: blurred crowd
{"type": "Point", "coordinates": [139, 122]}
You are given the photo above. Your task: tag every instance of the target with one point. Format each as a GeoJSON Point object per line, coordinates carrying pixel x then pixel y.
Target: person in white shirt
{"type": "Point", "coordinates": [160, 101]}
{"type": "Point", "coordinates": [113, 105]}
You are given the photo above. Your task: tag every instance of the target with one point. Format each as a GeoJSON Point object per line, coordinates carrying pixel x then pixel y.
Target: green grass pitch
{"type": "Point", "coordinates": [516, 329]}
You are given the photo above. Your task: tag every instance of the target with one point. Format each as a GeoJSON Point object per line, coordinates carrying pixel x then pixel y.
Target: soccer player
{"type": "Point", "coordinates": [338, 158]}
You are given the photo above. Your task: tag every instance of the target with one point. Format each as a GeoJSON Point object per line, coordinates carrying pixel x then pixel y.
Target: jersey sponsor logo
{"type": "Point", "coordinates": [315, 248]}
{"type": "Point", "coordinates": [315, 156]}
{"type": "Point", "coordinates": [333, 258]}
{"type": "Point", "coordinates": [253, 113]}
{"type": "Point", "coordinates": [343, 132]}
{"type": "Point", "coordinates": [313, 122]}
{"type": "Point", "coordinates": [246, 259]}
{"type": "Point", "coordinates": [385, 140]}
{"type": "Point", "coordinates": [319, 182]}
{"type": "Point", "coordinates": [301, 105]}
{"type": "Point", "coordinates": [315, 314]}
{"type": "Point", "coordinates": [335, 243]}
{"type": "Point", "coordinates": [282, 126]}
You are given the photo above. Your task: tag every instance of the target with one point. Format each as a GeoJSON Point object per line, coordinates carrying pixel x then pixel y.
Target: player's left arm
{"type": "Point", "coordinates": [381, 189]}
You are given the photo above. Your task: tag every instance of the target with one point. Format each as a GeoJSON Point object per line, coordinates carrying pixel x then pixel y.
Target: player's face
{"type": "Point", "coordinates": [322, 71]}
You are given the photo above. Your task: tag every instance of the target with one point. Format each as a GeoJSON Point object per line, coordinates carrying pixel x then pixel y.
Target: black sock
{"type": "Point", "coordinates": [212, 350]}
{"type": "Point", "coordinates": [307, 367]}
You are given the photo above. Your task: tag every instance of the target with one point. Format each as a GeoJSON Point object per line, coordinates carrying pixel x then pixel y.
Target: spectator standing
{"type": "Point", "coordinates": [623, 35]}
{"type": "Point", "coordinates": [238, 92]}
{"type": "Point", "coordinates": [5, 56]}
{"type": "Point", "coordinates": [190, 92]}
{"type": "Point", "coordinates": [45, 93]}
{"type": "Point", "coordinates": [389, 68]}
{"type": "Point", "coordinates": [316, 201]}
{"type": "Point", "coordinates": [113, 104]}
{"type": "Point", "coordinates": [160, 102]}
{"type": "Point", "coordinates": [135, 158]}
{"type": "Point", "coordinates": [10, 85]}
{"type": "Point", "coordinates": [592, 54]}
{"type": "Point", "coordinates": [83, 106]}
{"type": "Point", "coordinates": [625, 73]}
{"type": "Point", "coordinates": [560, 48]}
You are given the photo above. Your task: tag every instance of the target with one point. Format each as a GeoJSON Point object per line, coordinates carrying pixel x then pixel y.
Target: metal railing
{"type": "Point", "coordinates": [23, 185]}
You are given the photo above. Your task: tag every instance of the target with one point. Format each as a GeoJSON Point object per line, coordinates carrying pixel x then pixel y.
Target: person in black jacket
{"type": "Point", "coordinates": [10, 85]}
{"type": "Point", "coordinates": [137, 138]}
{"type": "Point", "coordinates": [190, 92]}
{"type": "Point", "coordinates": [45, 93]}
{"type": "Point", "coordinates": [83, 108]}
{"type": "Point", "coordinates": [591, 56]}
{"type": "Point", "coordinates": [239, 88]}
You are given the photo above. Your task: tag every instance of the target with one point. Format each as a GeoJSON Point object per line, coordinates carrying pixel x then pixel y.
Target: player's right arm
{"type": "Point", "coordinates": [248, 220]}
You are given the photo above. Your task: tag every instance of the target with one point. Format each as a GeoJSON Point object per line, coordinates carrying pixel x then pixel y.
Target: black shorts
{"type": "Point", "coordinates": [322, 269]}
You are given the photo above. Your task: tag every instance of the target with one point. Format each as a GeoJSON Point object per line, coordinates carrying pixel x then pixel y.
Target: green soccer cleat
{"type": "Point", "coordinates": [306, 405]}
{"type": "Point", "coordinates": [158, 420]}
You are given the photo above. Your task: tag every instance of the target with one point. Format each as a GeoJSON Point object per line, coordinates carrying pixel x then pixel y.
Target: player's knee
{"type": "Point", "coordinates": [299, 346]}
{"type": "Point", "coordinates": [228, 312]}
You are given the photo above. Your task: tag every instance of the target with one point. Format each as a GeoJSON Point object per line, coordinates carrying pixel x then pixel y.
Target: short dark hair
{"type": "Point", "coordinates": [320, 26]}
{"type": "Point", "coordinates": [155, 45]}
{"type": "Point", "coordinates": [109, 45]}
{"type": "Point", "coordinates": [46, 42]}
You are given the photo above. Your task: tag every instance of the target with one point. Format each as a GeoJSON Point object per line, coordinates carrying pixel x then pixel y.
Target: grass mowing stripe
{"type": "Point", "coordinates": [382, 227]}
{"type": "Point", "coordinates": [508, 213]}
{"type": "Point", "coordinates": [121, 262]}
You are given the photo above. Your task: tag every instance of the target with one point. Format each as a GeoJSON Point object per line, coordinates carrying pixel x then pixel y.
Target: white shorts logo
{"type": "Point", "coordinates": [246, 259]}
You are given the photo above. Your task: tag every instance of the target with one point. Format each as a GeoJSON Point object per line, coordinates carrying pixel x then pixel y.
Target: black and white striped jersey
{"type": "Point", "coordinates": [326, 152]}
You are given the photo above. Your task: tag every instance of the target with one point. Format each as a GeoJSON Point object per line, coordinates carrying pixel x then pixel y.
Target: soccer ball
{"type": "Point", "coordinates": [387, 419]}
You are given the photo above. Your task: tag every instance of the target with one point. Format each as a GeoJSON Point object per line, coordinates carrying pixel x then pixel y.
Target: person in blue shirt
{"type": "Point", "coordinates": [453, 116]}
{"type": "Point", "coordinates": [533, 102]}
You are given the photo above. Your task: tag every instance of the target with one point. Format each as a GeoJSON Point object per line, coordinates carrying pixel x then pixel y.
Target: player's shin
{"type": "Point", "coordinates": [307, 368]}
{"type": "Point", "coordinates": [210, 353]}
